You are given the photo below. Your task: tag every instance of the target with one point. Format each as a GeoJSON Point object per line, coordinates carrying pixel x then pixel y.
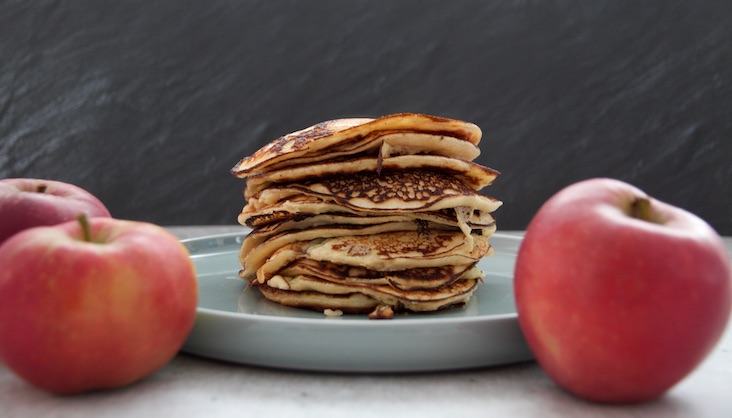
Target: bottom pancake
{"type": "Point", "coordinates": [318, 294]}
{"type": "Point", "coordinates": [352, 303]}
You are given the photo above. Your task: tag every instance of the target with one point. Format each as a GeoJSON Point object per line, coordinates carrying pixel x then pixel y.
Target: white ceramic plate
{"type": "Point", "coordinates": [235, 323]}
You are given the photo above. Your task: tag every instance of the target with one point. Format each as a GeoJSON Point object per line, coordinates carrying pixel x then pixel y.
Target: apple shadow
{"type": "Point", "coordinates": [667, 405]}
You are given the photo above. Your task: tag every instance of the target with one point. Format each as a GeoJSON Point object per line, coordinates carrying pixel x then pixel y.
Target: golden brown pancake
{"type": "Point", "coordinates": [351, 303]}
{"type": "Point", "coordinates": [472, 175]}
{"type": "Point", "coordinates": [313, 293]}
{"type": "Point", "coordinates": [302, 208]}
{"type": "Point", "coordinates": [382, 145]}
{"type": "Point", "coordinates": [392, 191]}
{"type": "Point", "coordinates": [408, 279]}
{"type": "Point", "coordinates": [383, 252]}
{"type": "Point", "coordinates": [349, 136]}
{"type": "Point", "coordinates": [257, 247]}
{"type": "Point", "coordinates": [391, 251]}
{"type": "Point", "coordinates": [405, 270]}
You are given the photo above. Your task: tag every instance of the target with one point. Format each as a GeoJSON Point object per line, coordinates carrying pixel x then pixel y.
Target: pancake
{"type": "Point", "coordinates": [384, 252]}
{"type": "Point", "coordinates": [408, 132]}
{"type": "Point", "coordinates": [389, 269]}
{"type": "Point", "coordinates": [367, 215]}
{"type": "Point", "coordinates": [472, 175]}
{"type": "Point", "coordinates": [391, 251]}
{"type": "Point", "coordinates": [301, 208]}
{"type": "Point", "coordinates": [293, 259]}
{"type": "Point", "coordinates": [351, 303]}
{"type": "Point", "coordinates": [262, 241]}
{"type": "Point", "coordinates": [313, 293]}
{"type": "Point", "coordinates": [392, 191]}
{"type": "Point", "coordinates": [258, 246]}
{"type": "Point", "coordinates": [408, 279]}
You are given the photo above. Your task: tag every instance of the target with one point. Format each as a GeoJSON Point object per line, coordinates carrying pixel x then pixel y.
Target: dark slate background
{"type": "Point", "coordinates": [148, 104]}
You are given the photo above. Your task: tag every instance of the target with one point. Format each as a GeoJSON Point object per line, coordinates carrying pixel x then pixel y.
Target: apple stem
{"type": "Point", "coordinates": [85, 228]}
{"type": "Point", "coordinates": [41, 188]}
{"type": "Point", "coordinates": [640, 208]}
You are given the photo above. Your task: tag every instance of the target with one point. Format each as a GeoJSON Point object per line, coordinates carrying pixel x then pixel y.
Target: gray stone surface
{"type": "Point", "coordinates": [149, 104]}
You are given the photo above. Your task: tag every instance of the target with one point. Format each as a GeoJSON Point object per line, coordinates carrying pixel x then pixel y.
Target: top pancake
{"type": "Point", "coordinates": [406, 133]}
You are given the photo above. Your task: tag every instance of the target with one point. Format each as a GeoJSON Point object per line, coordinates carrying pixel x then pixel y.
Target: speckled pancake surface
{"type": "Point", "coordinates": [385, 253]}
{"type": "Point", "coordinates": [348, 133]}
{"type": "Point", "coordinates": [392, 251]}
{"type": "Point", "coordinates": [257, 248]}
{"type": "Point", "coordinates": [472, 175]}
{"type": "Point", "coordinates": [300, 209]}
{"type": "Point", "coordinates": [392, 191]}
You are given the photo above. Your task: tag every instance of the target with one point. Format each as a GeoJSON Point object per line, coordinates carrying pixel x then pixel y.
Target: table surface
{"type": "Point", "coordinates": [195, 386]}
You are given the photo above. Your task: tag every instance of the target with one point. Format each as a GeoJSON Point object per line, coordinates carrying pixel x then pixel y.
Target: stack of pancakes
{"type": "Point", "coordinates": [368, 215]}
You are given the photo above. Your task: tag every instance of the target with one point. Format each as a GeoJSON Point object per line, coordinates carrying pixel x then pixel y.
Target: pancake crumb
{"type": "Point", "coordinates": [382, 312]}
{"type": "Point", "coordinates": [333, 313]}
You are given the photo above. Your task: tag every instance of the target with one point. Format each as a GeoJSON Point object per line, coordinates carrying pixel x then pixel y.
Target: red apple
{"type": "Point", "coordinates": [25, 203]}
{"type": "Point", "coordinates": [93, 307]}
{"type": "Point", "coordinates": [619, 295]}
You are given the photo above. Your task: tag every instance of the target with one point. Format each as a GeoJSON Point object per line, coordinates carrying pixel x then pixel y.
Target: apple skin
{"type": "Point", "coordinates": [79, 316]}
{"type": "Point", "coordinates": [619, 309]}
{"type": "Point", "coordinates": [37, 202]}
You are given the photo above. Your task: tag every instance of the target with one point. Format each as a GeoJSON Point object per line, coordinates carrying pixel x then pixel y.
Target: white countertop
{"type": "Point", "coordinates": [195, 386]}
